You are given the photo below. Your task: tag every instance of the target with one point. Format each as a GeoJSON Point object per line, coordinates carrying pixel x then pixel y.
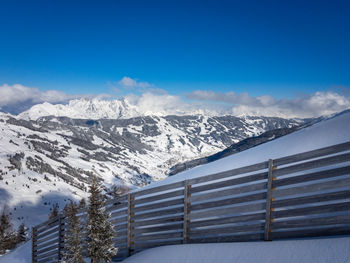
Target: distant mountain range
{"type": "Point", "coordinates": [50, 152]}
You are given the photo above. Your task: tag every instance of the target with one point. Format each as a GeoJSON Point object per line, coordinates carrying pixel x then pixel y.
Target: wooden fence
{"type": "Point", "coordinates": [302, 195]}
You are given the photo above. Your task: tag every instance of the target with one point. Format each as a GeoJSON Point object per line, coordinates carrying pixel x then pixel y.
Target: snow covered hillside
{"type": "Point", "coordinates": [325, 133]}
{"type": "Point", "coordinates": [326, 250]}
{"type": "Point", "coordinates": [52, 159]}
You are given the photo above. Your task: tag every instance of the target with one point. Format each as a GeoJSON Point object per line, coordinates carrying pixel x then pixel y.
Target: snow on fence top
{"type": "Point", "coordinates": [302, 195]}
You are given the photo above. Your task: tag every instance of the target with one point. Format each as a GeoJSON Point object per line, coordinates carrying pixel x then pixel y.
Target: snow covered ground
{"type": "Point", "coordinates": [325, 133]}
{"type": "Point", "coordinates": [335, 250]}
{"type": "Point", "coordinates": [325, 250]}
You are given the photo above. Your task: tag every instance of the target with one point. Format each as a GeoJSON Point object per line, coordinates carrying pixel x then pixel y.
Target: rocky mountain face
{"type": "Point", "coordinates": [54, 158]}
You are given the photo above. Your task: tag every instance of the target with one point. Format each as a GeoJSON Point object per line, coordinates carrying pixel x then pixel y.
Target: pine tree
{"type": "Point", "coordinates": [54, 211]}
{"type": "Point", "coordinates": [82, 203]}
{"type": "Point", "coordinates": [73, 235]}
{"type": "Point", "coordinates": [7, 235]}
{"type": "Point", "coordinates": [100, 230]}
{"type": "Point", "coordinates": [21, 233]}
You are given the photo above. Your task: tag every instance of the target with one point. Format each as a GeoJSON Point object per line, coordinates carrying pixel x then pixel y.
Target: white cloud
{"type": "Point", "coordinates": [312, 105]}
{"type": "Point", "coordinates": [16, 98]}
{"type": "Point", "coordinates": [127, 82]}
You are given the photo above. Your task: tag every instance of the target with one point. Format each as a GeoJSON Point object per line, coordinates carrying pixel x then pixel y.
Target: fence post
{"type": "Point", "coordinates": [187, 204]}
{"type": "Point", "coordinates": [60, 236]}
{"type": "Point", "coordinates": [33, 243]}
{"type": "Point", "coordinates": [130, 226]}
{"type": "Point", "coordinates": [268, 220]}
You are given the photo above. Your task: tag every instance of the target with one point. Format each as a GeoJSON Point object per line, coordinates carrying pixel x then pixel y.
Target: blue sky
{"type": "Point", "coordinates": [277, 48]}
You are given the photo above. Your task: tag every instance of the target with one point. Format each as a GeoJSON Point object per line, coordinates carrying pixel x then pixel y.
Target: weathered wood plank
{"type": "Point", "coordinates": [52, 253]}
{"type": "Point", "coordinates": [228, 201]}
{"type": "Point", "coordinates": [312, 199]}
{"type": "Point", "coordinates": [42, 240]}
{"type": "Point", "coordinates": [232, 182]}
{"type": "Point", "coordinates": [241, 170]}
{"type": "Point", "coordinates": [42, 245]}
{"type": "Point", "coordinates": [119, 213]}
{"type": "Point", "coordinates": [56, 229]}
{"type": "Point", "coordinates": [320, 221]}
{"type": "Point", "coordinates": [48, 227]}
{"type": "Point", "coordinates": [117, 207]}
{"type": "Point", "coordinates": [177, 226]}
{"type": "Point", "coordinates": [304, 189]}
{"type": "Point", "coordinates": [119, 220]}
{"type": "Point", "coordinates": [226, 230]}
{"type": "Point", "coordinates": [227, 211]}
{"type": "Point", "coordinates": [154, 237]}
{"type": "Point", "coordinates": [43, 250]}
{"type": "Point", "coordinates": [228, 220]}
{"type": "Point", "coordinates": [313, 164]}
{"type": "Point", "coordinates": [313, 154]}
{"type": "Point", "coordinates": [175, 193]}
{"type": "Point", "coordinates": [232, 238]}
{"type": "Point", "coordinates": [227, 192]}
{"type": "Point", "coordinates": [48, 222]}
{"type": "Point", "coordinates": [345, 206]}
{"type": "Point", "coordinates": [186, 204]}
{"type": "Point", "coordinates": [164, 220]}
{"type": "Point", "coordinates": [158, 189]}
{"type": "Point", "coordinates": [140, 246]}
{"type": "Point", "coordinates": [332, 231]}
{"type": "Point", "coordinates": [164, 212]}
{"type": "Point", "coordinates": [154, 206]}
{"type": "Point", "coordinates": [312, 176]}
{"type": "Point", "coordinates": [52, 259]}
{"type": "Point", "coordinates": [120, 199]}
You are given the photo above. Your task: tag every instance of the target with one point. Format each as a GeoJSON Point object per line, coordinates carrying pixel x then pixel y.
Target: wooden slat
{"type": "Point", "coordinates": [227, 211]}
{"type": "Point", "coordinates": [159, 213]}
{"type": "Point", "coordinates": [159, 205]}
{"type": "Point", "coordinates": [120, 199]}
{"type": "Point", "coordinates": [119, 213]}
{"type": "Point", "coordinates": [54, 247]}
{"type": "Point", "coordinates": [334, 184]}
{"type": "Point", "coordinates": [332, 231]}
{"type": "Point", "coordinates": [232, 238]}
{"type": "Point", "coordinates": [232, 182]}
{"type": "Point", "coordinates": [242, 170]}
{"type": "Point", "coordinates": [226, 230]}
{"type": "Point", "coordinates": [228, 220]}
{"type": "Point", "coordinates": [177, 226]}
{"type": "Point", "coordinates": [158, 189]}
{"type": "Point", "coordinates": [117, 207]}
{"type": "Point", "coordinates": [52, 253]}
{"type": "Point", "coordinates": [44, 228]}
{"type": "Point", "coordinates": [164, 220]}
{"type": "Point", "coordinates": [157, 236]}
{"type": "Point", "coordinates": [56, 229]}
{"type": "Point", "coordinates": [312, 176]}
{"type": "Point", "coordinates": [312, 199]}
{"type": "Point", "coordinates": [119, 220]}
{"type": "Point", "coordinates": [144, 245]}
{"type": "Point", "coordinates": [330, 220]}
{"type": "Point", "coordinates": [228, 201]}
{"type": "Point", "coordinates": [313, 154]}
{"type": "Point", "coordinates": [159, 197]}
{"type": "Point", "coordinates": [345, 206]}
{"type": "Point", "coordinates": [51, 237]}
{"type": "Point", "coordinates": [42, 245]}
{"type": "Point", "coordinates": [231, 191]}
{"type": "Point", "coordinates": [48, 222]}
{"type": "Point", "coordinates": [313, 164]}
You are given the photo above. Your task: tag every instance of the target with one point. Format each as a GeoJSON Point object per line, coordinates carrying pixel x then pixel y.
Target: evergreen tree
{"type": "Point", "coordinates": [21, 233]}
{"type": "Point", "coordinates": [73, 235]}
{"type": "Point", "coordinates": [7, 235]}
{"type": "Point", "coordinates": [99, 229]}
{"type": "Point", "coordinates": [82, 203]}
{"type": "Point", "coordinates": [54, 211]}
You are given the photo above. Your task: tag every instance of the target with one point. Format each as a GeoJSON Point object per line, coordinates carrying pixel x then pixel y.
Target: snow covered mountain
{"type": "Point", "coordinates": [52, 159]}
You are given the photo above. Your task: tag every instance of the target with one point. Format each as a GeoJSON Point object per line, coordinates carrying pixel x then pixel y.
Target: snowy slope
{"type": "Point", "coordinates": [335, 250]}
{"type": "Point", "coordinates": [325, 133]}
